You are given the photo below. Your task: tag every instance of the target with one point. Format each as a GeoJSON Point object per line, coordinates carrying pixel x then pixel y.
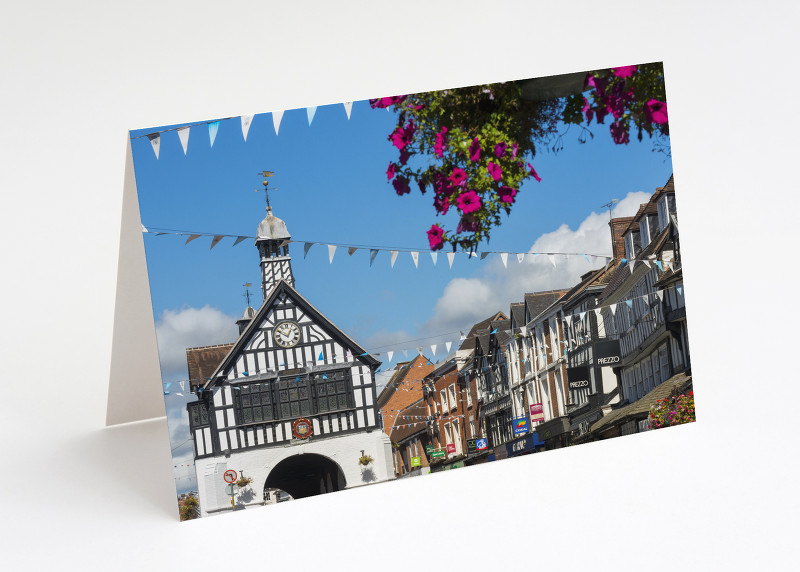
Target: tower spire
{"type": "Point", "coordinates": [272, 241]}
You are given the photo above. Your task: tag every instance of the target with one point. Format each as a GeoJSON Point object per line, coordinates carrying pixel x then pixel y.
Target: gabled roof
{"type": "Point", "coordinates": [409, 421]}
{"type": "Point", "coordinates": [595, 280]}
{"type": "Point", "coordinates": [517, 311]}
{"type": "Point", "coordinates": [622, 273]}
{"type": "Point", "coordinates": [203, 361]}
{"type": "Point", "coordinates": [281, 288]}
{"type": "Point", "coordinates": [469, 343]}
{"type": "Point", "coordinates": [411, 372]}
{"type": "Point", "coordinates": [501, 326]}
{"type": "Point", "coordinates": [538, 302]}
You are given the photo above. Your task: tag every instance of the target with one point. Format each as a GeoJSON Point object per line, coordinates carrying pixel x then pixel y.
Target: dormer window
{"type": "Point", "coordinates": [632, 244]}
{"type": "Point", "coordinates": [647, 230]}
{"type": "Point", "coordinates": [666, 207]}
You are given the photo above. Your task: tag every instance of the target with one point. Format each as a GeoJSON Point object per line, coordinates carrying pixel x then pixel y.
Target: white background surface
{"type": "Point", "coordinates": [719, 494]}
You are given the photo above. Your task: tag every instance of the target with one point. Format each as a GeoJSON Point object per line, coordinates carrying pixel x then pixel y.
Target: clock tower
{"type": "Point", "coordinates": [272, 241]}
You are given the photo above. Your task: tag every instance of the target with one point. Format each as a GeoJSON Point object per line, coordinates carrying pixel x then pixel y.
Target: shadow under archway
{"type": "Point", "coordinates": [306, 475]}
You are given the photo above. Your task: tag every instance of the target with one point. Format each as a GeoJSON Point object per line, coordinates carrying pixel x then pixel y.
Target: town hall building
{"type": "Point", "coordinates": [291, 404]}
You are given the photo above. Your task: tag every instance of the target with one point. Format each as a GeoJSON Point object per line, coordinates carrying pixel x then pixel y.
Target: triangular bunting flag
{"type": "Point", "coordinates": [597, 313]}
{"type": "Point", "coordinates": [504, 258]}
{"type": "Point", "coordinates": [393, 257]}
{"type": "Point", "coordinates": [321, 356]}
{"type": "Point", "coordinates": [447, 346]}
{"type": "Point", "coordinates": [552, 260]}
{"type": "Point", "coordinates": [191, 238]}
{"type": "Point", "coordinates": [155, 141]}
{"type": "Point", "coordinates": [622, 262]}
{"type": "Point", "coordinates": [390, 353]}
{"type": "Point", "coordinates": [493, 331]}
{"type": "Point", "coordinates": [351, 250]}
{"type": "Point", "coordinates": [310, 111]}
{"type": "Point", "coordinates": [246, 121]}
{"type": "Point", "coordinates": [463, 337]}
{"type": "Point", "coordinates": [433, 349]}
{"type": "Point", "coordinates": [215, 240]}
{"type": "Point", "coordinates": [450, 257]}
{"type": "Point", "coordinates": [213, 128]}
{"type": "Point", "coordinates": [660, 266]}
{"type": "Point", "coordinates": [183, 135]}
{"type": "Point", "coordinates": [631, 265]}
{"type": "Point", "coordinates": [434, 257]}
{"type": "Point", "coordinates": [647, 263]}
{"type": "Point", "coordinates": [276, 120]}
{"type": "Point", "coordinates": [629, 303]}
{"type": "Point", "coordinates": [144, 229]}
{"type": "Point", "coordinates": [484, 255]}
{"type": "Point", "coordinates": [306, 247]}
{"type": "Point", "coordinates": [587, 259]}
{"type": "Point", "coordinates": [679, 288]}
{"type": "Point", "coordinates": [415, 258]}
{"type": "Point", "coordinates": [348, 107]}
{"type": "Point", "coordinates": [520, 257]}
{"type": "Point", "coordinates": [523, 330]}
{"type": "Point", "coordinates": [373, 252]}
{"type": "Point", "coordinates": [239, 239]}
{"type": "Point", "coordinates": [331, 252]}
{"type": "Point", "coordinates": [581, 315]}
{"type": "Point", "coordinates": [660, 294]}
{"type": "Point", "coordinates": [183, 385]}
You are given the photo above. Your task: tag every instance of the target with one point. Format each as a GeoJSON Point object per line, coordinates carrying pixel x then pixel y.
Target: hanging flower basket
{"type": "Point", "coordinates": [365, 460]}
{"type": "Point", "coordinates": [244, 481]}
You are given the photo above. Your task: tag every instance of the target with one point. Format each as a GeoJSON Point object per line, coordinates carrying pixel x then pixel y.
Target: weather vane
{"type": "Point", "coordinates": [266, 175]}
{"type": "Point", "coordinates": [247, 286]}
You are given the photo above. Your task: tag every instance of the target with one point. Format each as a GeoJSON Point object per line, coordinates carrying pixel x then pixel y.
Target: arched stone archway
{"type": "Point", "coordinates": [306, 475]}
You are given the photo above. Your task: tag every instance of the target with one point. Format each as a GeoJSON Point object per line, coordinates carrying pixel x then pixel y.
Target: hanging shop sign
{"type": "Point", "coordinates": [607, 353]}
{"type": "Point", "coordinates": [428, 449]}
{"type": "Point", "coordinates": [578, 378]}
{"type": "Point", "coordinates": [302, 428]}
{"type": "Point", "coordinates": [451, 447]}
{"type": "Point", "coordinates": [520, 425]}
{"type": "Point", "coordinates": [481, 444]}
{"type": "Point", "coordinates": [537, 412]}
{"type": "Point", "coordinates": [472, 446]}
{"type": "Point", "coordinates": [437, 454]}
{"type": "Point", "coordinates": [416, 461]}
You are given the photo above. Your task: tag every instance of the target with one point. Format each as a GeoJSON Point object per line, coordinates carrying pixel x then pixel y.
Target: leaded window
{"type": "Point", "coordinates": [198, 414]}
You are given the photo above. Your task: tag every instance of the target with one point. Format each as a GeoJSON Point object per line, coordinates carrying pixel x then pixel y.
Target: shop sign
{"type": "Point", "coordinates": [472, 446]}
{"type": "Point", "coordinates": [437, 454]}
{"type": "Point", "coordinates": [578, 377]}
{"type": "Point", "coordinates": [416, 461]}
{"type": "Point", "coordinates": [537, 412]}
{"type": "Point", "coordinates": [520, 425]}
{"type": "Point", "coordinates": [428, 449]}
{"type": "Point", "coordinates": [481, 444]}
{"type": "Point", "coordinates": [451, 447]}
{"type": "Point", "coordinates": [607, 353]}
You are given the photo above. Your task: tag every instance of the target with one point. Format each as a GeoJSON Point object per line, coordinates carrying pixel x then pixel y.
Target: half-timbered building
{"type": "Point", "coordinates": [292, 404]}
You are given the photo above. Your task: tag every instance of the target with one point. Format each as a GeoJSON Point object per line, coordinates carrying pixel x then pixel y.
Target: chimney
{"type": "Point", "coordinates": [618, 227]}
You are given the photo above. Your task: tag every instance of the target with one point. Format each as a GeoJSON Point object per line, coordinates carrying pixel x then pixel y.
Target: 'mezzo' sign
{"type": "Point", "coordinates": [537, 412]}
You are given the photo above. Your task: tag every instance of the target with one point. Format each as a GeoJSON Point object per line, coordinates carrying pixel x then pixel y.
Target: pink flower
{"type": "Point", "coordinates": [601, 113]}
{"type": "Point", "coordinates": [475, 150]}
{"type": "Point", "coordinates": [390, 171]}
{"type": "Point", "coordinates": [534, 173]}
{"type": "Point", "coordinates": [441, 142]}
{"type": "Point", "coordinates": [495, 171]}
{"type": "Point", "coordinates": [435, 237]}
{"type": "Point", "coordinates": [441, 203]}
{"type": "Point", "coordinates": [458, 176]}
{"type": "Point", "coordinates": [400, 185]}
{"type": "Point", "coordinates": [587, 110]}
{"type": "Point", "coordinates": [468, 202]}
{"type": "Point", "coordinates": [514, 149]}
{"type": "Point", "coordinates": [624, 71]}
{"type": "Point", "coordinates": [404, 155]}
{"type": "Point", "coordinates": [656, 111]}
{"type": "Point", "coordinates": [507, 194]}
{"type": "Point", "coordinates": [500, 150]}
{"type": "Point", "coordinates": [467, 224]}
{"type": "Point", "coordinates": [402, 136]}
{"type": "Point", "coordinates": [385, 102]}
{"type": "Point", "coordinates": [619, 134]}
{"type": "Point", "coordinates": [441, 185]}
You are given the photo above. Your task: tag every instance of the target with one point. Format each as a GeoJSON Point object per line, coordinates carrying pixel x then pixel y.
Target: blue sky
{"type": "Point", "coordinates": [332, 188]}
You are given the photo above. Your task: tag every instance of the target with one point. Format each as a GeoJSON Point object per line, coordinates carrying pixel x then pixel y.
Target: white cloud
{"type": "Point", "coordinates": [177, 330]}
{"type": "Point", "coordinates": [469, 300]}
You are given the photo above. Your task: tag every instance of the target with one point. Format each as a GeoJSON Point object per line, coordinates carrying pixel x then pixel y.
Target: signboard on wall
{"type": "Point", "coordinates": [537, 412]}
{"type": "Point", "coordinates": [472, 446]}
{"type": "Point", "coordinates": [481, 444]}
{"type": "Point", "coordinates": [416, 461]}
{"type": "Point", "coordinates": [451, 447]}
{"type": "Point", "coordinates": [578, 378]}
{"type": "Point", "coordinates": [520, 425]}
{"type": "Point", "coordinates": [607, 353]}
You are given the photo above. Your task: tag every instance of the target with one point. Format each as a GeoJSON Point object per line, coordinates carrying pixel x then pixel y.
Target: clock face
{"type": "Point", "coordinates": [287, 334]}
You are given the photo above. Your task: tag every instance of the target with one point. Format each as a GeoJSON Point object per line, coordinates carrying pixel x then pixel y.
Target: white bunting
{"type": "Point", "coordinates": [310, 111]}
{"type": "Point", "coordinates": [182, 383]}
{"type": "Point", "coordinates": [433, 349]}
{"type": "Point", "coordinates": [597, 313]}
{"type": "Point", "coordinates": [183, 135]}
{"type": "Point", "coordinates": [331, 252]}
{"type": "Point", "coordinates": [463, 337]}
{"type": "Point", "coordinates": [450, 257]}
{"type": "Point", "coordinates": [520, 257]}
{"type": "Point", "coordinates": [276, 120]}
{"type": "Point", "coordinates": [647, 263]}
{"type": "Point", "coordinates": [155, 141]}
{"type": "Point", "coordinates": [504, 258]}
{"type": "Point", "coordinates": [613, 308]}
{"type": "Point", "coordinates": [631, 264]}
{"type": "Point", "coordinates": [348, 107]}
{"type": "Point", "coordinates": [447, 346]}
{"type": "Point", "coordinates": [434, 257]}
{"type": "Point", "coordinates": [213, 128]}
{"type": "Point", "coordinates": [568, 319]}
{"type": "Point", "coordinates": [393, 257]}
{"type": "Point", "coordinates": [246, 121]}
{"type": "Point", "coordinates": [389, 354]}
{"type": "Point", "coordinates": [523, 330]}
{"type": "Point", "coordinates": [415, 258]}
{"type": "Point", "coordinates": [144, 229]}
{"type": "Point", "coordinates": [660, 294]}
{"type": "Point", "coordinates": [552, 260]}
{"type": "Point", "coordinates": [215, 240]}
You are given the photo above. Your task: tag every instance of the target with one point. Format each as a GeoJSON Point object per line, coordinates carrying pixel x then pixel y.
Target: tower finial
{"type": "Point", "coordinates": [246, 294]}
{"type": "Point", "coordinates": [266, 175]}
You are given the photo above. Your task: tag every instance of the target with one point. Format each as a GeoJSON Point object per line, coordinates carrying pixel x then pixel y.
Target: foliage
{"type": "Point", "coordinates": [244, 481]}
{"type": "Point", "coordinates": [673, 410]}
{"type": "Point", "coordinates": [474, 146]}
{"type": "Point", "coordinates": [189, 508]}
{"type": "Point", "coordinates": [365, 460]}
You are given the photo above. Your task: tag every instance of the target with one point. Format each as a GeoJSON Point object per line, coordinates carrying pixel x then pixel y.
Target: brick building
{"type": "Point", "coordinates": [403, 389]}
